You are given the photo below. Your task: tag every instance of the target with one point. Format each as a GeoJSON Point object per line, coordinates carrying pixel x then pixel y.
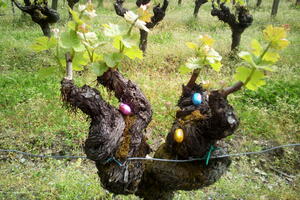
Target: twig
{"type": "Point", "coordinates": [69, 69]}
{"type": "Point", "coordinates": [193, 78]}
{"type": "Point", "coordinates": [282, 173]}
{"type": "Point", "coordinates": [235, 87]}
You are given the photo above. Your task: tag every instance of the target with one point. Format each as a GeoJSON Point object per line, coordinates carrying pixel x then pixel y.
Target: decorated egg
{"type": "Point", "coordinates": [178, 135]}
{"type": "Point", "coordinates": [125, 109]}
{"type": "Point", "coordinates": [197, 99]}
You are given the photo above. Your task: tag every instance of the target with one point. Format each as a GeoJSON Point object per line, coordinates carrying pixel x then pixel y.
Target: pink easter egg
{"type": "Point", "coordinates": [125, 109]}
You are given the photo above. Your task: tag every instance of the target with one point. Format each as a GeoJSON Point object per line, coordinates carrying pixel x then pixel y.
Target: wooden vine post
{"type": "Point", "coordinates": [54, 4]}
{"type": "Point", "coordinates": [159, 14]}
{"type": "Point", "coordinates": [13, 7]}
{"type": "Point", "coordinates": [258, 3]}
{"type": "Point", "coordinates": [275, 8]}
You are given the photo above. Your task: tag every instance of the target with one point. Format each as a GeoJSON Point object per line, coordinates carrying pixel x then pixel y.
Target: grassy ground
{"type": "Point", "coordinates": [32, 119]}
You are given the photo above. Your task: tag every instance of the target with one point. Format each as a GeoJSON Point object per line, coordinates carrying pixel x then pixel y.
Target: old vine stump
{"type": "Point", "coordinates": [113, 137]}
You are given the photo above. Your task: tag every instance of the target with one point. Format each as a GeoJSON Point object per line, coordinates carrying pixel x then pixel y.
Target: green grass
{"type": "Point", "coordinates": [32, 118]}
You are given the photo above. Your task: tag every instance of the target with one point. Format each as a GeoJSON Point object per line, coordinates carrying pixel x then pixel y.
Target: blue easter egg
{"type": "Point", "coordinates": [197, 99]}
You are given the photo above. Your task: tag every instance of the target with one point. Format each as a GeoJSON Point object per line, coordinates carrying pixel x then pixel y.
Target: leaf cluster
{"type": "Point", "coordinates": [252, 72]}
{"type": "Point", "coordinates": [261, 58]}
{"type": "Point", "coordinates": [83, 44]}
{"type": "Point", "coordinates": [204, 55]}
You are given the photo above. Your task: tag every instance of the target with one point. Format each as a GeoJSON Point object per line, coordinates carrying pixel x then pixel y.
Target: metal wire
{"type": "Point", "coordinates": [41, 156]}
{"type": "Point", "coordinates": [156, 159]}
{"type": "Point", "coordinates": [215, 157]}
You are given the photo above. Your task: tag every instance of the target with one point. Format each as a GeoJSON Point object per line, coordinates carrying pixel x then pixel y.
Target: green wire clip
{"type": "Point", "coordinates": [208, 154]}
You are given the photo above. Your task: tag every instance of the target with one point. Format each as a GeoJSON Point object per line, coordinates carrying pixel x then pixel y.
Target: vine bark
{"type": "Point", "coordinates": [113, 137]}
{"type": "Point", "coordinates": [40, 13]}
{"type": "Point", "coordinates": [238, 23]}
{"type": "Point", "coordinates": [198, 4]}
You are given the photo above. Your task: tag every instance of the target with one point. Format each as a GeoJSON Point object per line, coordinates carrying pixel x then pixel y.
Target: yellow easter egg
{"type": "Point", "coordinates": [178, 135]}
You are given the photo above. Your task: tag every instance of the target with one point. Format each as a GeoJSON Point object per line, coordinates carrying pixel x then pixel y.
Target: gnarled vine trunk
{"type": "Point", "coordinates": [71, 3]}
{"type": "Point", "coordinates": [143, 40]}
{"type": "Point", "coordinates": [40, 14]}
{"type": "Point", "coordinates": [114, 137]}
{"type": "Point", "coordinates": [198, 4]}
{"type": "Point", "coordinates": [162, 179]}
{"type": "Point", "coordinates": [238, 23]}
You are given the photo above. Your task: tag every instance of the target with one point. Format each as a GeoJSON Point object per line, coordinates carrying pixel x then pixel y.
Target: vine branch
{"type": "Point", "coordinates": [159, 14]}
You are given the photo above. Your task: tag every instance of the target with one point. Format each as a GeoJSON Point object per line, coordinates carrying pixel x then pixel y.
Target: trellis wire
{"type": "Point", "coordinates": [153, 159]}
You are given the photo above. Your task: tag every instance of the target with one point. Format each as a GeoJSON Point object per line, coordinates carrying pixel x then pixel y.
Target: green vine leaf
{"type": "Point", "coordinates": [276, 37]}
{"type": "Point", "coordinates": [240, 2]}
{"type": "Point", "coordinates": [144, 15]}
{"type": "Point", "coordinates": [43, 43]}
{"type": "Point", "coordinates": [79, 61]}
{"type": "Point", "coordinates": [81, 41]}
{"type": "Point", "coordinates": [97, 57]}
{"type": "Point", "coordinates": [183, 69]}
{"type": "Point", "coordinates": [256, 80]}
{"type": "Point", "coordinates": [112, 30]}
{"type": "Point", "coordinates": [256, 47]}
{"type": "Point", "coordinates": [99, 68]}
{"type": "Point", "coordinates": [72, 25]}
{"type": "Point", "coordinates": [206, 40]}
{"type": "Point", "coordinates": [112, 60]}
{"type": "Point", "coordinates": [242, 73]}
{"type": "Point", "coordinates": [216, 66]}
{"type": "Point", "coordinates": [205, 55]}
{"type": "Point", "coordinates": [191, 45]}
{"type": "Point", "coordinates": [70, 40]}
{"type": "Point", "coordinates": [213, 59]}
{"type": "Point", "coordinates": [119, 41]}
{"type": "Point", "coordinates": [193, 63]}
{"type": "Point", "coordinates": [269, 68]}
{"type": "Point", "coordinates": [133, 52]}
{"type": "Point", "coordinates": [271, 57]}
{"type": "Point", "coordinates": [247, 57]}
{"type": "Point", "coordinates": [75, 17]}
{"type": "Point", "coordinates": [260, 58]}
